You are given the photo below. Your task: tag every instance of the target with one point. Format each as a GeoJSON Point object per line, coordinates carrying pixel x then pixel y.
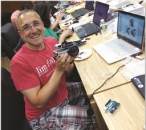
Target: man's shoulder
{"type": "Point", "coordinates": [18, 56]}
{"type": "Point", "coordinates": [50, 40]}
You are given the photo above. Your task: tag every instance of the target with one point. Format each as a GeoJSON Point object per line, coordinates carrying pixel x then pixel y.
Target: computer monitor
{"type": "Point", "coordinates": [131, 28]}
{"type": "Point", "coordinates": [100, 12]}
{"type": "Point", "coordinates": [89, 5]}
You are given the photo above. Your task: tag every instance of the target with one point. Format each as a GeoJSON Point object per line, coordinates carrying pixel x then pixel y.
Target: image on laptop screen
{"type": "Point", "coordinates": [131, 28]}
{"type": "Point", "coordinates": [100, 12]}
{"type": "Point", "coordinates": [89, 5]}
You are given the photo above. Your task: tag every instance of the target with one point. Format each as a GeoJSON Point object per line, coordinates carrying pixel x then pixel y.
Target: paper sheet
{"type": "Point", "coordinates": [134, 68]}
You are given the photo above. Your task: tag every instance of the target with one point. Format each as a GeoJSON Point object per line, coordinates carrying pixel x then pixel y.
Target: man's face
{"type": "Point", "coordinates": [33, 36]}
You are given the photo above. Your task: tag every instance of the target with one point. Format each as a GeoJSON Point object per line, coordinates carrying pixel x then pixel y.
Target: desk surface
{"type": "Point", "coordinates": [131, 113]}
{"type": "Point", "coordinates": [90, 68]}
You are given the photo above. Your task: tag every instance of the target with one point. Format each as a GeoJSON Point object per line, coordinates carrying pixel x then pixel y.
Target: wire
{"type": "Point", "coordinates": [106, 80]}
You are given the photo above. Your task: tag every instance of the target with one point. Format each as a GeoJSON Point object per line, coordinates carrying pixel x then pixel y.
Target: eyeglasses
{"type": "Point", "coordinates": [26, 28]}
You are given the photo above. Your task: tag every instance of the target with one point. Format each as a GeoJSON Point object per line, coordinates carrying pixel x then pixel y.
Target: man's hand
{"type": "Point", "coordinates": [59, 16]}
{"type": "Point", "coordinates": [62, 62]}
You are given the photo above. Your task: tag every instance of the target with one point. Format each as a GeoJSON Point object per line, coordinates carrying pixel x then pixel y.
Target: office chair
{"type": "Point", "coordinates": [10, 40]}
{"type": "Point", "coordinates": [5, 18]}
{"type": "Point", "coordinates": [12, 105]}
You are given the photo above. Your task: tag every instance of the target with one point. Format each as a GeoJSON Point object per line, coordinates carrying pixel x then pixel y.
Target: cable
{"type": "Point", "coordinates": [90, 110]}
{"type": "Point", "coordinates": [105, 81]}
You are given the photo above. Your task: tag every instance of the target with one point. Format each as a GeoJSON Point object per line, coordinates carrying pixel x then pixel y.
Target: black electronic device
{"type": "Point", "coordinates": [87, 9]}
{"type": "Point", "coordinates": [66, 47]}
{"type": "Point", "coordinates": [139, 82]}
{"type": "Point", "coordinates": [93, 28]}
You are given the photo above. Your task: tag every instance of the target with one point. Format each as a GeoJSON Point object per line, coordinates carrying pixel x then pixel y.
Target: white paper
{"type": "Point", "coordinates": [134, 68]}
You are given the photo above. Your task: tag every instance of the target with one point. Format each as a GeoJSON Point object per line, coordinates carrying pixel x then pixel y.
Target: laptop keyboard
{"type": "Point", "coordinates": [79, 30]}
{"type": "Point", "coordinates": [80, 12]}
{"type": "Point", "coordinates": [90, 28]}
{"type": "Point", "coordinates": [119, 47]}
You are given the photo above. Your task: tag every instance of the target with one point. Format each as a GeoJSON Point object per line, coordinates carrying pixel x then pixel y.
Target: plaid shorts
{"type": "Point", "coordinates": [71, 114]}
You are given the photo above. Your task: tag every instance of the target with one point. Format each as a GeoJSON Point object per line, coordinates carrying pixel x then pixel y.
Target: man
{"type": "Point", "coordinates": [49, 101]}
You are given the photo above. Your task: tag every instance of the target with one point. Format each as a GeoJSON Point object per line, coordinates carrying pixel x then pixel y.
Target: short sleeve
{"type": "Point", "coordinates": [51, 41]}
{"type": "Point", "coordinates": [23, 77]}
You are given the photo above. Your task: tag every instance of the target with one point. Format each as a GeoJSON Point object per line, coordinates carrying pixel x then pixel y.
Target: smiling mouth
{"type": "Point", "coordinates": [35, 36]}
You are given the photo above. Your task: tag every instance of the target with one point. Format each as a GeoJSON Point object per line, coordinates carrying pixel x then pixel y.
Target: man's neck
{"type": "Point", "coordinates": [35, 48]}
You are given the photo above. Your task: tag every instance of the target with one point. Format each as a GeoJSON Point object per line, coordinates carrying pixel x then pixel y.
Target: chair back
{"type": "Point", "coordinates": [5, 18]}
{"type": "Point", "coordinates": [12, 105]}
{"type": "Point", "coordinates": [11, 40]}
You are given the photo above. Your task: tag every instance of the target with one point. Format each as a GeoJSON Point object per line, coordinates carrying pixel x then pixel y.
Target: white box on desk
{"type": "Point", "coordinates": [135, 8]}
{"type": "Point", "coordinates": [116, 4]}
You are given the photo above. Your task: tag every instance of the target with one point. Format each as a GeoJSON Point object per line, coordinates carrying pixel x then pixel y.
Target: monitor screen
{"type": "Point", "coordinates": [89, 5]}
{"type": "Point", "coordinates": [100, 12]}
{"type": "Point", "coordinates": [131, 28]}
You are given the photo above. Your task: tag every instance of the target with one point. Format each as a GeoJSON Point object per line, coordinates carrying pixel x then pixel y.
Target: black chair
{"type": "Point", "coordinates": [11, 41]}
{"type": "Point", "coordinates": [12, 105]}
{"type": "Point", "coordinates": [5, 18]}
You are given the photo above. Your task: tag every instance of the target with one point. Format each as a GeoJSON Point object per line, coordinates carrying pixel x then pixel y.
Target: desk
{"type": "Point", "coordinates": [119, 88]}
{"type": "Point", "coordinates": [131, 113]}
{"type": "Point", "coordinates": [90, 68]}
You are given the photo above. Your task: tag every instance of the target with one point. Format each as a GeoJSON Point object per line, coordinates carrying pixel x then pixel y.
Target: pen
{"type": "Point", "coordinates": [128, 5]}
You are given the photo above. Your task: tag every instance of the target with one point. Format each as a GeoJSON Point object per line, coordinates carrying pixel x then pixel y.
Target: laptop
{"type": "Point", "coordinates": [80, 12]}
{"type": "Point", "coordinates": [139, 83]}
{"type": "Point", "coordinates": [129, 41]}
{"type": "Point", "coordinates": [92, 28]}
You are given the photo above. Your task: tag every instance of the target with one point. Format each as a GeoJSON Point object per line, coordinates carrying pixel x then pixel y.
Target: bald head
{"type": "Point", "coordinates": [24, 12]}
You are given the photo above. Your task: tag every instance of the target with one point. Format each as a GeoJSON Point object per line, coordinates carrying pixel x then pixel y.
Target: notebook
{"type": "Point", "coordinates": [80, 12]}
{"type": "Point", "coordinates": [92, 28]}
{"type": "Point", "coordinates": [139, 83]}
{"type": "Point", "coordinates": [129, 41]}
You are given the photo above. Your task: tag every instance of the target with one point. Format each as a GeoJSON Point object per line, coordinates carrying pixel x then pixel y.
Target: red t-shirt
{"type": "Point", "coordinates": [31, 68]}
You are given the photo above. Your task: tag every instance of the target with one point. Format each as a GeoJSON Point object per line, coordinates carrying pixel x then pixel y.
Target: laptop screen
{"type": "Point", "coordinates": [89, 5]}
{"type": "Point", "coordinates": [131, 28]}
{"type": "Point", "coordinates": [100, 12]}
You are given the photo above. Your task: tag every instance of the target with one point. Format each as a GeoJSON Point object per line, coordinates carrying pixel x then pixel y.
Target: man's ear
{"type": "Point", "coordinates": [19, 33]}
{"type": "Point", "coordinates": [42, 23]}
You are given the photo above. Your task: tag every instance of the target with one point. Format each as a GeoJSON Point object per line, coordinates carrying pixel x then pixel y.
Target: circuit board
{"type": "Point", "coordinates": [111, 107]}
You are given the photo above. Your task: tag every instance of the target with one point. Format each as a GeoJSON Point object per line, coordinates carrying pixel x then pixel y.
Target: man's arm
{"type": "Point", "coordinates": [58, 18]}
{"type": "Point", "coordinates": [39, 97]}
